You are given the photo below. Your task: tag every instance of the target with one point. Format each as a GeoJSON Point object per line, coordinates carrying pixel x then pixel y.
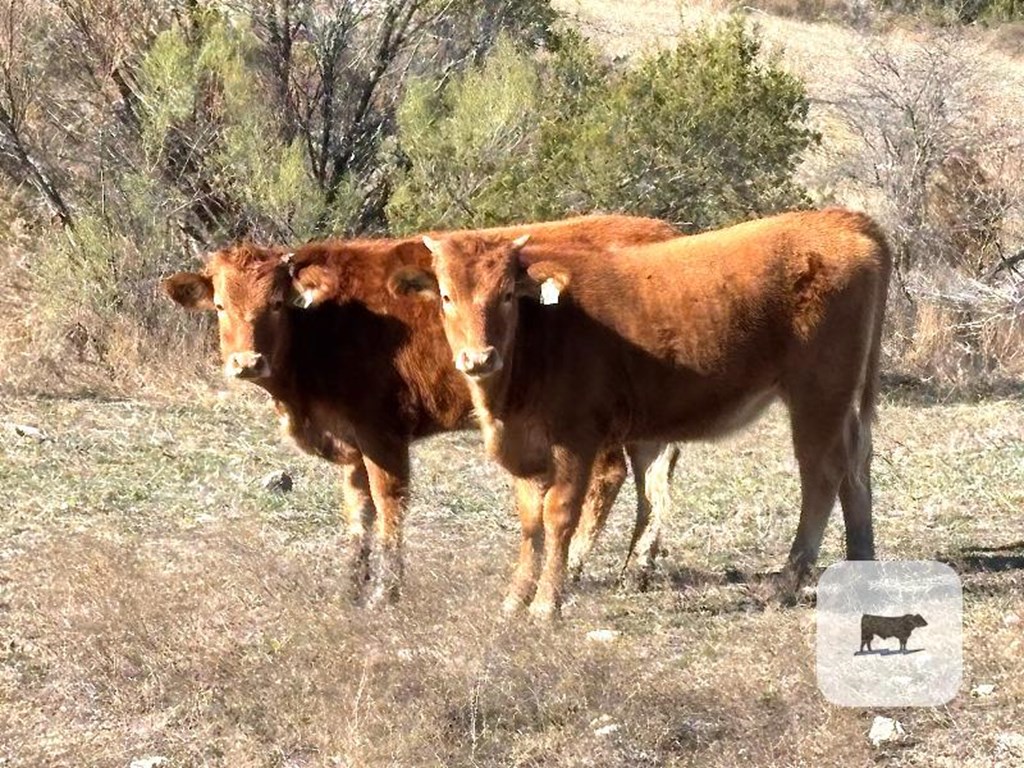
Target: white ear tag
{"type": "Point", "coordinates": [303, 300]}
{"type": "Point", "coordinates": [549, 291]}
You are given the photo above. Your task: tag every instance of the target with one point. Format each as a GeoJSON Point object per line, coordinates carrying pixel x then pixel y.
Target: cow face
{"type": "Point", "coordinates": [248, 287]}
{"type": "Point", "coordinates": [476, 280]}
{"type": "Point", "coordinates": [918, 620]}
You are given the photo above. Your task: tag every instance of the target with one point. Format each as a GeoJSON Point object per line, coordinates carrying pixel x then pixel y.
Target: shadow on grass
{"type": "Point", "coordinates": [889, 652]}
{"type": "Point", "coordinates": [707, 591]}
{"type": "Point", "coordinates": [910, 390]}
{"type": "Point", "coordinates": [996, 559]}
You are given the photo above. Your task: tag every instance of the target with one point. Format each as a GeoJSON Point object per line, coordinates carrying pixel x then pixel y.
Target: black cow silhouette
{"type": "Point", "coordinates": [889, 626]}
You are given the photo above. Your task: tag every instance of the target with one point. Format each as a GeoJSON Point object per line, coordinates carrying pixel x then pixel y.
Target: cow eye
{"type": "Point", "coordinates": [507, 297]}
{"type": "Point", "coordinates": [276, 304]}
{"type": "Point", "coordinates": [446, 299]}
{"type": "Point", "coordinates": [218, 306]}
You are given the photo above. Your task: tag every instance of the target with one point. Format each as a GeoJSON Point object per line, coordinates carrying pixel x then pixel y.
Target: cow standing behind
{"type": "Point", "coordinates": [687, 339]}
{"type": "Point", "coordinates": [357, 375]}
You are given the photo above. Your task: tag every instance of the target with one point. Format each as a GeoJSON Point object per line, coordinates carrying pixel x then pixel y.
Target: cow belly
{"type": "Point", "coordinates": [741, 414]}
{"type": "Point", "coordinates": [703, 418]}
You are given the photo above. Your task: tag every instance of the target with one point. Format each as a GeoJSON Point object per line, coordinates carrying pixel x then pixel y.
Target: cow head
{"type": "Point", "coordinates": [918, 620]}
{"type": "Point", "coordinates": [476, 279]}
{"type": "Point", "coordinates": [249, 288]}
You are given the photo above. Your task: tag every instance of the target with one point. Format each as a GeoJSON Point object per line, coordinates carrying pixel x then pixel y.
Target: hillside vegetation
{"type": "Point", "coordinates": [135, 136]}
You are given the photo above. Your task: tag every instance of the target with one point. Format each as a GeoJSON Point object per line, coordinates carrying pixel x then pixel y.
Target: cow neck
{"type": "Point", "coordinates": [284, 385]}
{"type": "Point", "coordinates": [492, 403]}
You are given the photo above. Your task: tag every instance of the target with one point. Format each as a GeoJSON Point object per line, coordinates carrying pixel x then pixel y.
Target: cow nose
{"type": "Point", "coordinates": [479, 362]}
{"type": "Point", "coordinates": [246, 365]}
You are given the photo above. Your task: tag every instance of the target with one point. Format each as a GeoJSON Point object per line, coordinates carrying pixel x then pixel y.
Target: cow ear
{"type": "Point", "coordinates": [310, 286]}
{"type": "Point", "coordinates": [413, 281]}
{"type": "Point", "coordinates": [190, 290]}
{"type": "Point", "coordinates": [433, 245]}
{"type": "Point", "coordinates": [544, 281]}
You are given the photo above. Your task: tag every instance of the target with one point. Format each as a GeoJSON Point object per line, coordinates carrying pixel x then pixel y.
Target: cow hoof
{"type": "Point", "coordinates": [382, 597]}
{"type": "Point", "coordinates": [512, 605]}
{"type": "Point", "coordinates": [546, 613]}
{"type": "Point", "coordinates": [642, 578]}
{"type": "Point", "coordinates": [786, 585]}
{"type": "Point", "coordinates": [357, 593]}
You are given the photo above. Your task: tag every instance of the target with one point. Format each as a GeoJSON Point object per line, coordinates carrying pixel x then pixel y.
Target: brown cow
{"type": "Point", "coordinates": [357, 375]}
{"type": "Point", "coordinates": [687, 339]}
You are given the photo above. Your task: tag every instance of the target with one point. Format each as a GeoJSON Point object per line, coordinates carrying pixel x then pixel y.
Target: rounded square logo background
{"type": "Point", "coordinates": [928, 672]}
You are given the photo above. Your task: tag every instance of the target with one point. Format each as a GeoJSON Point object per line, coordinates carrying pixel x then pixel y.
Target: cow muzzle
{"type": "Point", "coordinates": [478, 363]}
{"type": "Point", "coordinates": [247, 365]}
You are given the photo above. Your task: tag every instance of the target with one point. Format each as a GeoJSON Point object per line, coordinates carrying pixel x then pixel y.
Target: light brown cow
{"type": "Point", "coordinates": [356, 375]}
{"type": "Point", "coordinates": [683, 340]}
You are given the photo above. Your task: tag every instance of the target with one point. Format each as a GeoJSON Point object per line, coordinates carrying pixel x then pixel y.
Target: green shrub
{"type": "Point", "coordinates": [207, 97]}
{"type": "Point", "coordinates": [471, 144]}
{"type": "Point", "coordinates": [702, 135]}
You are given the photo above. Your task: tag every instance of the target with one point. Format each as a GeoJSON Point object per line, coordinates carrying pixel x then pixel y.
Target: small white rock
{"type": "Point", "coordinates": [1010, 743]}
{"type": "Point", "coordinates": [607, 730]}
{"type": "Point", "coordinates": [1011, 620]}
{"type": "Point", "coordinates": [885, 729]}
{"type": "Point", "coordinates": [983, 689]}
{"type": "Point", "coordinates": [25, 430]}
{"type": "Point", "coordinates": [602, 635]}
{"type": "Point", "coordinates": [148, 762]}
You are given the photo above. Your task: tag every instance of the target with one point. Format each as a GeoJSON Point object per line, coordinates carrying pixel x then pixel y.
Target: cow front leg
{"type": "Point", "coordinates": [388, 470]}
{"type": "Point", "coordinates": [562, 502]}
{"type": "Point", "coordinates": [529, 497]}
{"type": "Point", "coordinates": [359, 515]}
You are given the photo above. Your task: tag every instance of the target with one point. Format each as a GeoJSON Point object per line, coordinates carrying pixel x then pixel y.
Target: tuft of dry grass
{"type": "Point", "coordinates": [154, 600]}
{"type": "Point", "coordinates": [961, 341]}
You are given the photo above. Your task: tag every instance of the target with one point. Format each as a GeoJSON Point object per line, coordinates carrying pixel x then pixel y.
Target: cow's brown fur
{"type": "Point", "coordinates": [687, 339]}
{"type": "Point", "coordinates": [358, 374]}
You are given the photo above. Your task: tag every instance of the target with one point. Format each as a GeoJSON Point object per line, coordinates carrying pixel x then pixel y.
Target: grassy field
{"type": "Point", "coordinates": [155, 601]}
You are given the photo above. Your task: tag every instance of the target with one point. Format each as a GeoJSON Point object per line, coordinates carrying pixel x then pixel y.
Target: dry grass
{"type": "Point", "coordinates": [156, 601]}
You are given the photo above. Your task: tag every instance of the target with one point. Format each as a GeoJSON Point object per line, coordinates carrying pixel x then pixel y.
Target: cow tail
{"type": "Point", "coordinates": [869, 392]}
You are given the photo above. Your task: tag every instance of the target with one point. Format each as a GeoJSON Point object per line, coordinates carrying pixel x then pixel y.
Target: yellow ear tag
{"type": "Point", "coordinates": [549, 292]}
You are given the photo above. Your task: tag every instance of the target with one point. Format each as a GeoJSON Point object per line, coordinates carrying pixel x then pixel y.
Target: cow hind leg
{"type": "Point", "coordinates": [653, 465]}
{"type": "Point", "coordinates": [855, 491]}
{"type": "Point", "coordinates": [605, 481]}
{"type": "Point", "coordinates": [818, 438]}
